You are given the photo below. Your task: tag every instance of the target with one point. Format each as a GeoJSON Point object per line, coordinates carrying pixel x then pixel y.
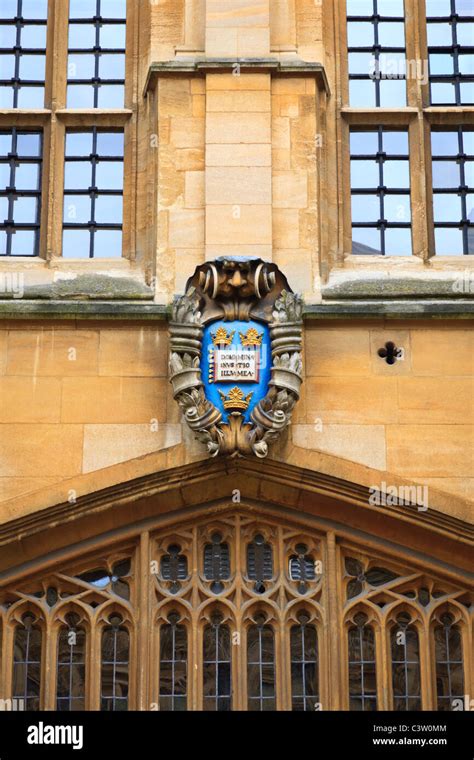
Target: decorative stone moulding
{"type": "Point", "coordinates": [235, 355]}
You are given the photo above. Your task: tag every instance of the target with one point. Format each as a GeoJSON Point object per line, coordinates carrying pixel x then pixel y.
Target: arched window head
{"type": "Point", "coordinates": [449, 662]}
{"type": "Point", "coordinates": [405, 649]}
{"type": "Point", "coordinates": [259, 562]}
{"type": "Point", "coordinates": [362, 665]}
{"type": "Point", "coordinates": [174, 567]}
{"type": "Point", "coordinates": [115, 665]}
{"type": "Point", "coordinates": [217, 562]}
{"type": "Point", "coordinates": [26, 684]}
{"type": "Point", "coordinates": [217, 665]}
{"type": "Point", "coordinates": [261, 695]}
{"type": "Point", "coordinates": [304, 664]}
{"type": "Point", "coordinates": [302, 568]}
{"type": "Point", "coordinates": [173, 664]}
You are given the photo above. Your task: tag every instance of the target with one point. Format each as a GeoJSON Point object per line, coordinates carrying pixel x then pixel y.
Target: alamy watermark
{"type": "Point", "coordinates": [387, 66]}
{"type": "Point", "coordinates": [12, 284]}
{"type": "Point", "coordinates": [389, 496]}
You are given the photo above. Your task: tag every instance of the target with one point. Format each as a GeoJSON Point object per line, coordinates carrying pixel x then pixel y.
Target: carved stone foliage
{"type": "Point", "coordinates": [237, 289]}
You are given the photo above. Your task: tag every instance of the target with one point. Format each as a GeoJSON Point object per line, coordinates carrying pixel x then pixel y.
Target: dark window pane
{"type": "Point", "coordinates": [70, 690]}
{"type": "Point", "coordinates": [27, 651]}
{"type": "Point", "coordinates": [173, 665]}
{"type": "Point", "coordinates": [260, 668]}
{"type": "Point", "coordinates": [259, 562]}
{"type": "Point", "coordinates": [114, 671]}
{"type": "Point", "coordinates": [304, 667]}
{"type": "Point", "coordinates": [449, 663]}
{"type": "Point", "coordinates": [406, 684]}
{"type": "Point", "coordinates": [217, 667]}
{"type": "Point", "coordinates": [362, 668]}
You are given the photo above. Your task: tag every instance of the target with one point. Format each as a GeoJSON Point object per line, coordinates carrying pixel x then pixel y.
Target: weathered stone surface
{"type": "Point", "coordinates": [338, 352]}
{"type": "Point", "coordinates": [113, 400]}
{"type": "Point", "coordinates": [412, 450]}
{"type": "Point", "coordinates": [133, 352]}
{"type": "Point", "coordinates": [29, 399]}
{"type": "Point", "coordinates": [238, 154]}
{"type": "Point", "coordinates": [360, 443]}
{"type": "Point", "coordinates": [56, 351]}
{"type": "Point", "coordinates": [247, 225]}
{"type": "Point", "coordinates": [106, 445]}
{"type": "Point", "coordinates": [242, 127]}
{"type": "Point", "coordinates": [241, 185]}
{"type": "Point", "coordinates": [42, 450]}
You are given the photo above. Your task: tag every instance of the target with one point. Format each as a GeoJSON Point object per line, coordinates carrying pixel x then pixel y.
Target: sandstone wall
{"type": "Point", "coordinates": [76, 399]}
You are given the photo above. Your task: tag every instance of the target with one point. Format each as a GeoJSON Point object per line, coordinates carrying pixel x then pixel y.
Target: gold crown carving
{"type": "Point", "coordinates": [236, 399]}
{"type": "Point", "coordinates": [251, 338]}
{"type": "Point", "coordinates": [222, 337]}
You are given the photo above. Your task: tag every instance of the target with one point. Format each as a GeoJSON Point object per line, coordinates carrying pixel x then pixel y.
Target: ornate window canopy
{"type": "Point", "coordinates": [237, 330]}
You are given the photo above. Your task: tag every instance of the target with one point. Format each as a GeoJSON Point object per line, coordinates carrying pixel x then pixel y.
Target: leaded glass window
{"type": "Point", "coordinates": [304, 664]}
{"type": "Point", "coordinates": [406, 680]}
{"type": "Point", "coordinates": [20, 192]}
{"type": "Point", "coordinates": [259, 562]}
{"type": "Point", "coordinates": [173, 664]}
{"type": "Point", "coordinates": [449, 667]}
{"type": "Point", "coordinates": [115, 664]}
{"type": "Point", "coordinates": [27, 651]}
{"type": "Point", "coordinates": [174, 567]}
{"type": "Point", "coordinates": [450, 33]}
{"type": "Point", "coordinates": [93, 194]}
{"type": "Point", "coordinates": [376, 50]}
{"type": "Point", "coordinates": [452, 153]}
{"type": "Point", "coordinates": [22, 53]}
{"type": "Point", "coordinates": [380, 192]}
{"type": "Point", "coordinates": [96, 61]}
{"type": "Point", "coordinates": [261, 695]}
{"type": "Point", "coordinates": [362, 665]}
{"type": "Point", "coordinates": [71, 666]}
{"type": "Point", "coordinates": [217, 562]}
{"type": "Point", "coordinates": [302, 568]}
{"type": "Point", "coordinates": [217, 664]}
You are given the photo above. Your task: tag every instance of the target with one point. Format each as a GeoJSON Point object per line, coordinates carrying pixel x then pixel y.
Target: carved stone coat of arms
{"type": "Point", "coordinates": [235, 354]}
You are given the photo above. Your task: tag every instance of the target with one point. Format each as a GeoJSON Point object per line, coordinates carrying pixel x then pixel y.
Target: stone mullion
{"type": "Point", "coordinates": [53, 137]}
{"type": "Point", "coordinates": [48, 667]}
{"type": "Point", "coordinates": [383, 667]}
{"type": "Point", "coordinates": [195, 660]}
{"type": "Point", "coordinates": [283, 683]}
{"type": "Point", "coordinates": [144, 630]}
{"type": "Point", "coordinates": [96, 663]}
{"type": "Point", "coordinates": [132, 97]}
{"type": "Point", "coordinates": [426, 685]}
{"type": "Point", "coordinates": [415, 45]}
{"type": "Point", "coordinates": [239, 683]}
{"type": "Point", "coordinates": [334, 628]}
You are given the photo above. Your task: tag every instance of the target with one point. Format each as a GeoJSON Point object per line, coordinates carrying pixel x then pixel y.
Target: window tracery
{"type": "Point", "coordinates": [229, 631]}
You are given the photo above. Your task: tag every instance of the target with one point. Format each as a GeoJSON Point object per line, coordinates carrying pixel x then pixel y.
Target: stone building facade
{"type": "Point", "coordinates": [115, 525]}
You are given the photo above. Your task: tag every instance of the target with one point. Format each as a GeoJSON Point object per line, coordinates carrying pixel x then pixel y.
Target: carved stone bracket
{"type": "Point", "coordinates": [242, 289]}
